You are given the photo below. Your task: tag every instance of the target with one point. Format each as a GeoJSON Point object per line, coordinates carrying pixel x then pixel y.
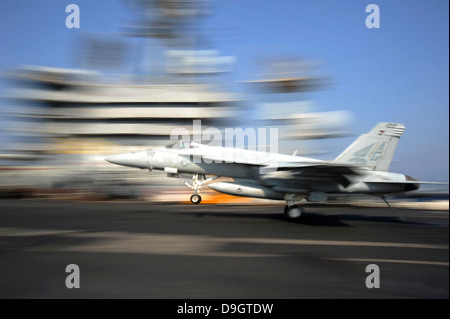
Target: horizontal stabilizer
{"type": "Point", "coordinates": [404, 182]}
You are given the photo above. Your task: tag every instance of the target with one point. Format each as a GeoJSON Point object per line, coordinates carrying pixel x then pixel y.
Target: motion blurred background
{"type": "Point", "coordinates": [135, 70]}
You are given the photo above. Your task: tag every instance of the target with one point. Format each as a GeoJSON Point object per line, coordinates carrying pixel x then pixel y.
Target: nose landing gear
{"type": "Point", "coordinates": [197, 185]}
{"type": "Point", "coordinates": [196, 199]}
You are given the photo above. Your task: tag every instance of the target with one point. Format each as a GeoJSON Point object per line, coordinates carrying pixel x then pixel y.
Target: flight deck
{"type": "Point", "coordinates": [144, 250]}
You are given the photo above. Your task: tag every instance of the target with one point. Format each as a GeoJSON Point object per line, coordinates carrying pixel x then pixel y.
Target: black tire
{"type": "Point", "coordinates": [294, 212]}
{"type": "Point", "coordinates": [196, 199]}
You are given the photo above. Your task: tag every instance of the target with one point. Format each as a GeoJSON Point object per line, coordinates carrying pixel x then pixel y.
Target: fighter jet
{"type": "Point", "coordinates": [362, 168]}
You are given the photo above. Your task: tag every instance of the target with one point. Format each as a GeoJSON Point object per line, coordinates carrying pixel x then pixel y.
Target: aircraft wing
{"type": "Point", "coordinates": [328, 177]}
{"type": "Point", "coordinates": [281, 172]}
{"type": "Point", "coordinates": [317, 168]}
{"type": "Point", "coordinates": [240, 156]}
{"type": "Point", "coordinates": [222, 155]}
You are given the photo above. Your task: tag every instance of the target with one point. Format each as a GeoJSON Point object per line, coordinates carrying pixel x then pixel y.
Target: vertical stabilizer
{"type": "Point", "coordinates": [374, 149]}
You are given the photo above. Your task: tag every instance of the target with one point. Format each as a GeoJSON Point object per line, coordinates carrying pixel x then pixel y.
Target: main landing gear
{"type": "Point", "coordinates": [292, 211]}
{"type": "Point", "coordinates": [196, 185]}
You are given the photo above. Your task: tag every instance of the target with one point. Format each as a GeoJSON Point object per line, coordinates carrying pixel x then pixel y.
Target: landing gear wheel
{"type": "Point", "coordinates": [293, 212]}
{"type": "Point", "coordinates": [196, 199]}
{"type": "Point", "coordinates": [196, 185]}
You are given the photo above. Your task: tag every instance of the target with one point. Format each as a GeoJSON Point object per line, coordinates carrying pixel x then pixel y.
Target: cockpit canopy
{"type": "Point", "coordinates": [181, 145]}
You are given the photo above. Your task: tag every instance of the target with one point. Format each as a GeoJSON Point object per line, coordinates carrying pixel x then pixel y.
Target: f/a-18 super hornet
{"type": "Point", "coordinates": [362, 168]}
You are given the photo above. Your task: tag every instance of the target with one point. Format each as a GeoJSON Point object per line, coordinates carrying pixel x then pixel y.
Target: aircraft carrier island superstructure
{"type": "Point", "coordinates": [73, 111]}
{"type": "Point", "coordinates": [70, 117]}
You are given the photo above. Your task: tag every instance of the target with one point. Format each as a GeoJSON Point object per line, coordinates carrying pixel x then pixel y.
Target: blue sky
{"type": "Point", "coordinates": [398, 73]}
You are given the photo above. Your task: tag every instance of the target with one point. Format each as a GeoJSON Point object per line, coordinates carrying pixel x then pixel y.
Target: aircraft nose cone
{"type": "Point", "coordinates": [127, 159]}
{"type": "Point", "coordinates": [116, 159]}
